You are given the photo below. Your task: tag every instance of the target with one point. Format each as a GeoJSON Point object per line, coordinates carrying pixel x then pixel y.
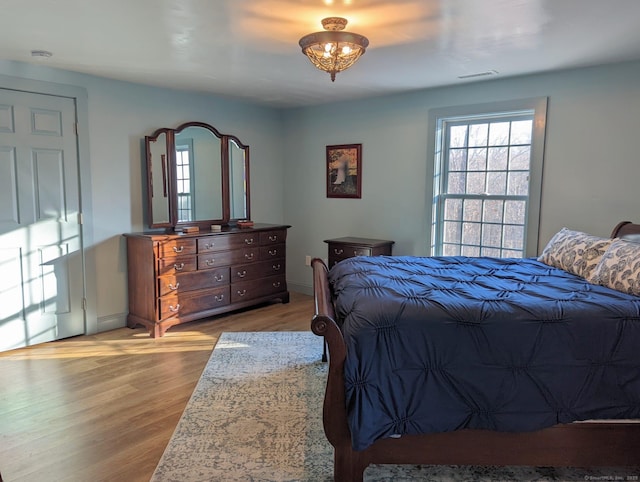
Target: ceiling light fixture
{"type": "Point", "coordinates": [333, 50]}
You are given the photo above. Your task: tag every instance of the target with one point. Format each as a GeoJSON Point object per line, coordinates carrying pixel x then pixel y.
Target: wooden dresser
{"type": "Point", "coordinates": [348, 247]}
{"type": "Point", "coordinates": [176, 278]}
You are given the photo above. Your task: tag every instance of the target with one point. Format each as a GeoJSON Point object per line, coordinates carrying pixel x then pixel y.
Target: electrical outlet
{"type": "Point", "coordinates": [307, 260]}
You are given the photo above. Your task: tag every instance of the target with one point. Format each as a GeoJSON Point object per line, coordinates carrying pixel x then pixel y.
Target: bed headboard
{"type": "Point", "coordinates": [627, 230]}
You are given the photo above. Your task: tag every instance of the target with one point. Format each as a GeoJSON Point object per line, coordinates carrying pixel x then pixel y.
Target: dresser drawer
{"type": "Point", "coordinates": [247, 255]}
{"type": "Point", "coordinates": [273, 252]}
{"type": "Point", "coordinates": [214, 243]}
{"type": "Point", "coordinates": [273, 237]}
{"type": "Point", "coordinates": [176, 265]}
{"type": "Point", "coordinates": [245, 240]}
{"type": "Point", "coordinates": [214, 259]}
{"type": "Point", "coordinates": [194, 280]}
{"type": "Point", "coordinates": [176, 246]}
{"type": "Point", "coordinates": [247, 290]}
{"type": "Point", "coordinates": [261, 269]}
{"type": "Point", "coordinates": [192, 302]}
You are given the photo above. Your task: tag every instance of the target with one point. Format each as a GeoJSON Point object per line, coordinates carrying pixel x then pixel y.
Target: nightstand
{"type": "Point", "coordinates": [348, 247]}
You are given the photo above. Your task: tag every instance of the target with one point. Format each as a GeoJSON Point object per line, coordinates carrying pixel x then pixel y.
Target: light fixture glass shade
{"type": "Point", "coordinates": [333, 50]}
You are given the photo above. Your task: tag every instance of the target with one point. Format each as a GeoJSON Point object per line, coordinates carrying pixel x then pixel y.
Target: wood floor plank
{"type": "Point", "coordinates": [103, 407]}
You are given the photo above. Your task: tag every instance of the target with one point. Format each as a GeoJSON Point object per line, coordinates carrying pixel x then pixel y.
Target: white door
{"type": "Point", "coordinates": [41, 281]}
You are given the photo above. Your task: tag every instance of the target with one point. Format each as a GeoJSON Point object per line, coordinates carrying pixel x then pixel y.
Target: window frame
{"type": "Point", "coordinates": [440, 117]}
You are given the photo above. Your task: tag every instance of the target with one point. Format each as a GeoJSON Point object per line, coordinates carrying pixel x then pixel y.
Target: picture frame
{"type": "Point", "coordinates": [344, 171]}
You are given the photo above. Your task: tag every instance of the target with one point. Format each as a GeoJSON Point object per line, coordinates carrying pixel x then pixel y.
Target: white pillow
{"type": "Point", "coordinates": [619, 268]}
{"type": "Point", "coordinates": [575, 252]}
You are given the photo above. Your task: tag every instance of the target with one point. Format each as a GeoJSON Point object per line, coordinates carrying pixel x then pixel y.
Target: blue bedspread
{"type": "Point", "coordinates": [440, 344]}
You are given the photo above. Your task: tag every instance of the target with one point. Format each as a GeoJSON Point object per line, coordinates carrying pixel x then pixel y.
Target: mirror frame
{"type": "Point", "coordinates": [247, 197]}
{"type": "Point", "coordinates": [170, 183]}
{"type": "Point", "coordinates": [166, 162]}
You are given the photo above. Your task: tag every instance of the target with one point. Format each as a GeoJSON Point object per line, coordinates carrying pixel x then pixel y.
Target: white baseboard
{"type": "Point", "coordinates": [112, 322]}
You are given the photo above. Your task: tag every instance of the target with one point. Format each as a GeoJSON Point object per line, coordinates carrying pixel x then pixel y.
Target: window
{"type": "Point", "coordinates": [184, 178]}
{"type": "Point", "coordinates": [488, 165]}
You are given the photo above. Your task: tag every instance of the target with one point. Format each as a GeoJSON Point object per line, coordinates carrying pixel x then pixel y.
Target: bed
{"type": "Point", "coordinates": [483, 361]}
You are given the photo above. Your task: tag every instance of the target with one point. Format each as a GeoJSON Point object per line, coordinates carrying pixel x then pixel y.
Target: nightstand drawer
{"type": "Point", "coordinates": [349, 247]}
{"type": "Point", "coordinates": [340, 251]}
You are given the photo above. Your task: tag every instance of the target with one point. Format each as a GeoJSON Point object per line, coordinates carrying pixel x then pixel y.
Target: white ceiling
{"type": "Point", "coordinates": [249, 48]}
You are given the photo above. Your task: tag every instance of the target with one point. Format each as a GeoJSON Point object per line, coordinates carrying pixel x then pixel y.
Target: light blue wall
{"type": "Point", "coordinates": [120, 115]}
{"type": "Point", "coordinates": [590, 178]}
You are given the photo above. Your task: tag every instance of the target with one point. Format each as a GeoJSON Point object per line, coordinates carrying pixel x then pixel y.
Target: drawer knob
{"type": "Point", "coordinates": [248, 240]}
{"type": "Point", "coordinates": [276, 284]}
{"type": "Point", "coordinates": [210, 262]}
{"type": "Point", "coordinates": [273, 238]}
{"type": "Point", "coordinates": [338, 251]}
{"type": "Point", "coordinates": [242, 274]}
{"type": "Point", "coordinates": [178, 267]}
{"type": "Point", "coordinates": [218, 277]}
{"type": "Point", "coordinates": [174, 309]}
{"type": "Point", "coordinates": [209, 245]}
{"type": "Point", "coordinates": [248, 255]}
{"type": "Point", "coordinates": [178, 249]}
{"type": "Point", "coordinates": [241, 293]}
{"type": "Point", "coordinates": [173, 287]}
{"type": "Point", "coordinates": [218, 298]}
{"type": "Point", "coordinates": [275, 267]}
{"type": "Point", "coordinates": [273, 252]}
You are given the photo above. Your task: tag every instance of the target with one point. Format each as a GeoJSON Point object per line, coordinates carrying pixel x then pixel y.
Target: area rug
{"type": "Point", "coordinates": [256, 415]}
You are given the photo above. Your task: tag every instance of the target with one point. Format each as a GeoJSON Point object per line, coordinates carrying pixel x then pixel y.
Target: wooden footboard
{"type": "Point", "coordinates": [582, 444]}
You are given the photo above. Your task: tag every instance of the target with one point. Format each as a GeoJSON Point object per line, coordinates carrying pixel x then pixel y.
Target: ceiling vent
{"type": "Point", "coordinates": [486, 73]}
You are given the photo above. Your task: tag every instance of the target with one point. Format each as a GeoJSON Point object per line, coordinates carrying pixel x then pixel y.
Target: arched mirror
{"type": "Point", "coordinates": [196, 177]}
{"type": "Point", "coordinates": [198, 163]}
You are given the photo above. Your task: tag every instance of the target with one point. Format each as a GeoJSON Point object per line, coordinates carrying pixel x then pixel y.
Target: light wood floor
{"type": "Point", "coordinates": [103, 407]}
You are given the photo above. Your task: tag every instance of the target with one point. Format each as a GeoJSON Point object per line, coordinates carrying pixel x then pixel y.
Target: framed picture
{"type": "Point", "coordinates": [344, 170]}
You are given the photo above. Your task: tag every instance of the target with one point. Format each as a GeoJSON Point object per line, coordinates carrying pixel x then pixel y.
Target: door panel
{"type": "Point", "coordinates": [41, 287]}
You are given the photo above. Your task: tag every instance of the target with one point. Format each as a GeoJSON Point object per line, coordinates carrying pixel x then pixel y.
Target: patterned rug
{"type": "Point", "coordinates": [256, 415]}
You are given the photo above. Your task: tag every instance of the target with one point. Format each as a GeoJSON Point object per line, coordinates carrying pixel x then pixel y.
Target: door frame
{"type": "Point", "coordinates": [81, 99]}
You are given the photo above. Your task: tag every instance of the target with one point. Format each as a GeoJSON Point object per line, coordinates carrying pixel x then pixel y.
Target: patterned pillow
{"type": "Point", "coordinates": [575, 252]}
{"type": "Point", "coordinates": [619, 268]}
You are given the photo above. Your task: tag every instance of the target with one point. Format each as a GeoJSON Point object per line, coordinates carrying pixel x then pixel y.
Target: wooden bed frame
{"type": "Point", "coordinates": [580, 444]}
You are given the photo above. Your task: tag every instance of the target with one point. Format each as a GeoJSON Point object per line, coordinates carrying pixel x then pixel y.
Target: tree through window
{"type": "Point", "coordinates": [483, 189]}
